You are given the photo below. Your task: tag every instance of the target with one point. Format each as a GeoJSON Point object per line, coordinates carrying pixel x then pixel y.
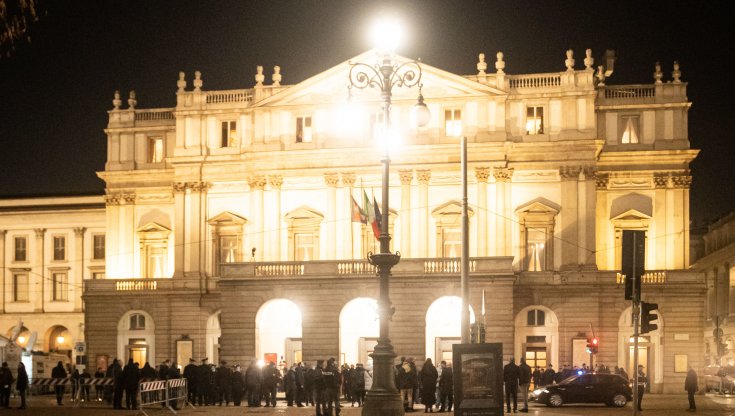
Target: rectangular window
{"type": "Point", "coordinates": [453, 122]}
{"type": "Point", "coordinates": [61, 286]}
{"type": "Point", "coordinates": [229, 134]}
{"type": "Point", "coordinates": [155, 149]}
{"type": "Point", "coordinates": [304, 247]}
{"type": "Point", "coordinates": [451, 242]}
{"type": "Point", "coordinates": [20, 287]}
{"type": "Point", "coordinates": [536, 249]}
{"type": "Point", "coordinates": [59, 248]}
{"type": "Point", "coordinates": [630, 129]}
{"type": "Point", "coordinates": [155, 264]}
{"type": "Point", "coordinates": [229, 249]}
{"type": "Point", "coordinates": [303, 129]}
{"type": "Point", "coordinates": [21, 249]}
{"type": "Point", "coordinates": [98, 275]}
{"type": "Point", "coordinates": [534, 120]}
{"type": "Point", "coordinates": [98, 251]}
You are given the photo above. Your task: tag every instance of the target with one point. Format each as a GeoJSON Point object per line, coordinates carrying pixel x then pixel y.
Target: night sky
{"type": "Point", "coordinates": [55, 91]}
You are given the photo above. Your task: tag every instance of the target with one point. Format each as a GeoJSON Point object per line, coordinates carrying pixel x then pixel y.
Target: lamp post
{"type": "Point", "coordinates": [383, 398]}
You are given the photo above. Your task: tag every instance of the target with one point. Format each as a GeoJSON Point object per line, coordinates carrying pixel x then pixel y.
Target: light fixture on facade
{"type": "Point", "coordinates": [21, 339]}
{"type": "Point", "coordinates": [60, 340]}
{"type": "Point", "coordinates": [387, 34]}
{"type": "Point", "coordinates": [420, 112]}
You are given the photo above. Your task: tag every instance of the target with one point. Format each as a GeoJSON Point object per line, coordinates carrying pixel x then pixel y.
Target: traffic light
{"type": "Point", "coordinates": [633, 261]}
{"type": "Point", "coordinates": [647, 316]}
{"type": "Point", "coordinates": [592, 345]}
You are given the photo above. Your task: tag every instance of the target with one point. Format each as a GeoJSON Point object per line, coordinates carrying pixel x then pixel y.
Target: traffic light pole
{"type": "Point", "coordinates": [636, 316]}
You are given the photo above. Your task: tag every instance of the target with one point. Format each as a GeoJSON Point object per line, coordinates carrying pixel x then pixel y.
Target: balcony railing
{"type": "Point", "coordinates": [155, 114]}
{"type": "Point", "coordinates": [535, 81]}
{"type": "Point", "coordinates": [637, 94]}
{"type": "Point", "coordinates": [649, 277]}
{"type": "Point", "coordinates": [229, 96]}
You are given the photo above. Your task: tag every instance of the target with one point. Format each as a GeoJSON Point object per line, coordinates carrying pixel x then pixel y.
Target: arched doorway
{"type": "Point", "coordinates": [650, 352]}
{"type": "Point", "coordinates": [136, 338]}
{"type": "Point", "coordinates": [443, 327]}
{"type": "Point", "coordinates": [58, 339]}
{"type": "Point", "coordinates": [278, 332]}
{"type": "Point", "coordinates": [23, 336]}
{"type": "Point", "coordinates": [358, 331]}
{"type": "Point", "coordinates": [537, 336]}
{"type": "Point", "coordinates": [212, 335]}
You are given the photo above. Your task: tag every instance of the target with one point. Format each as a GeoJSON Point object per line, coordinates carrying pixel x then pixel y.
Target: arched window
{"type": "Point", "coordinates": [137, 322]}
{"type": "Point", "coordinates": [536, 317]}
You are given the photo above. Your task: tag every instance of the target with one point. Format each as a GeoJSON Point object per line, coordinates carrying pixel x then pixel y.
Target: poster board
{"type": "Point", "coordinates": [680, 363]}
{"type": "Point", "coordinates": [184, 351]}
{"type": "Point", "coordinates": [478, 379]}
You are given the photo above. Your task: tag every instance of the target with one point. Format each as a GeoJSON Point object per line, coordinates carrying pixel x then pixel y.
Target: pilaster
{"type": "Point", "coordinates": [503, 243]}
{"type": "Point", "coordinates": [180, 227]}
{"type": "Point", "coordinates": [406, 177]}
{"type": "Point", "coordinates": [569, 216]}
{"type": "Point", "coordinates": [39, 272]}
{"type": "Point", "coordinates": [330, 244]}
{"type": "Point", "coordinates": [257, 184]}
{"type": "Point", "coordinates": [603, 249]}
{"type": "Point", "coordinates": [482, 174]}
{"type": "Point", "coordinates": [348, 226]}
{"type": "Point", "coordinates": [5, 275]}
{"type": "Point", "coordinates": [77, 272]}
{"type": "Point", "coordinates": [276, 182]}
{"type": "Point", "coordinates": [423, 176]}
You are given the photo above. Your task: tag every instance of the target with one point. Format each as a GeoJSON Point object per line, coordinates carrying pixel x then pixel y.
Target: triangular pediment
{"type": "Point", "coordinates": [451, 208]}
{"type": "Point", "coordinates": [304, 213]}
{"type": "Point", "coordinates": [330, 86]}
{"type": "Point", "coordinates": [226, 218]}
{"type": "Point", "coordinates": [153, 227]}
{"type": "Point", "coordinates": [631, 215]}
{"type": "Point", "coordinates": [539, 206]}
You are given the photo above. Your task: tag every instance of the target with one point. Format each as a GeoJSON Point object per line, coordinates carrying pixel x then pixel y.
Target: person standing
{"type": "Point", "coordinates": [690, 385]}
{"type": "Point", "coordinates": [359, 385]}
{"type": "Point", "coordinates": [22, 384]}
{"type": "Point", "coordinates": [84, 384]}
{"type": "Point", "coordinates": [511, 374]}
{"type": "Point", "coordinates": [446, 388]}
{"type": "Point", "coordinates": [319, 388]}
{"type": "Point", "coordinates": [130, 379]}
{"type": "Point", "coordinates": [98, 388]}
{"type": "Point", "coordinates": [524, 382]}
{"type": "Point", "coordinates": [59, 373]}
{"type": "Point", "coordinates": [309, 375]}
{"type": "Point", "coordinates": [253, 379]}
{"type": "Point", "coordinates": [223, 378]}
{"type": "Point", "coordinates": [642, 380]}
{"type": "Point", "coordinates": [428, 377]}
{"type": "Point", "coordinates": [271, 375]}
{"type": "Point", "coordinates": [190, 374]}
{"type": "Point", "coordinates": [331, 377]}
{"type": "Point", "coordinates": [289, 385]}
{"type": "Point", "coordinates": [6, 381]}
{"type": "Point", "coordinates": [237, 382]}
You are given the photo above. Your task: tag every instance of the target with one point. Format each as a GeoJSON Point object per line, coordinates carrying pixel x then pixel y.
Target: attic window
{"type": "Point", "coordinates": [630, 126]}
{"type": "Point", "coordinates": [534, 120]}
{"type": "Point", "coordinates": [303, 129]}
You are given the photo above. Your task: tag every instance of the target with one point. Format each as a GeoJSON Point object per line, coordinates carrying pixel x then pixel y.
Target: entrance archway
{"type": "Point", "coordinates": [359, 328]}
{"type": "Point", "coordinates": [537, 337]}
{"type": "Point", "coordinates": [650, 353]}
{"type": "Point", "coordinates": [212, 335]}
{"type": "Point", "coordinates": [278, 332]}
{"type": "Point", "coordinates": [443, 327]}
{"type": "Point", "coordinates": [136, 338]}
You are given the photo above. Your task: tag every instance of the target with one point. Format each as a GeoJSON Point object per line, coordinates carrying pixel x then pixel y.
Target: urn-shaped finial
{"type": "Point", "coordinates": [676, 73]}
{"type": "Point", "coordinates": [116, 101]}
{"type": "Point", "coordinates": [132, 101]}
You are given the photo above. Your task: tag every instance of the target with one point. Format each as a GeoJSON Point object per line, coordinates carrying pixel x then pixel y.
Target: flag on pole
{"type": "Point", "coordinates": [376, 219]}
{"type": "Point", "coordinates": [357, 213]}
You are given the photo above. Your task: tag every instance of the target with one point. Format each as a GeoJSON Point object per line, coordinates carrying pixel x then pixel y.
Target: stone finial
{"type": "Point", "coordinates": [132, 102]}
{"type": "Point", "coordinates": [500, 63]}
{"type": "Point", "coordinates": [277, 77]}
{"type": "Point", "coordinates": [116, 101]}
{"type": "Point", "coordinates": [676, 73]}
{"type": "Point", "coordinates": [658, 75]}
{"type": "Point", "coordinates": [181, 83]}
{"type": "Point", "coordinates": [600, 76]}
{"type": "Point", "coordinates": [481, 64]}
{"type": "Point", "coordinates": [198, 81]}
{"type": "Point", "coordinates": [569, 62]}
{"type": "Point", "coordinates": [588, 60]}
{"type": "Point", "coordinates": [259, 77]}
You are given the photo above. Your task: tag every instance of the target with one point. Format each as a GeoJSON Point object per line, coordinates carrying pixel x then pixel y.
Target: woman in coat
{"type": "Point", "coordinates": [428, 377]}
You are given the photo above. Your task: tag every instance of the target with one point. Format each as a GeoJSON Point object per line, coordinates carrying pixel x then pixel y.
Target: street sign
{"type": "Point", "coordinates": [80, 348]}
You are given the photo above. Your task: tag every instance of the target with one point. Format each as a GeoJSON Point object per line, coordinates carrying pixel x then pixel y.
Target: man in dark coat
{"type": "Point", "coordinates": [547, 378]}
{"type": "Point", "coordinates": [300, 380]}
{"type": "Point", "coordinates": [148, 372]}
{"type": "Point", "coordinates": [131, 378]}
{"type": "Point", "coordinates": [237, 384]}
{"type": "Point", "coordinates": [114, 372]}
{"type": "Point", "coordinates": [190, 374]}
{"type": "Point", "coordinates": [309, 375]}
{"type": "Point", "coordinates": [511, 373]}
{"type": "Point", "coordinates": [359, 385]}
{"type": "Point", "coordinates": [289, 385]}
{"type": "Point", "coordinates": [163, 370]}
{"type": "Point", "coordinates": [524, 382]}
{"type": "Point", "coordinates": [319, 388]}
{"type": "Point", "coordinates": [428, 376]}
{"type": "Point", "coordinates": [6, 381]}
{"type": "Point", "coordinates": [59, 372]}
{"type": "Point", "coordinates": [22, 384]}
{"type": "Point", "coordinates": [222, 378]}
{"type": "Point", "coordinates": [271, 376]}
{"type": "Point", "coordinates": [202, 383]}
{"type": "Point", "coordinates": [690, 385]}
{"type": "Point", "coordinates": [172, 374]}
{"type": "Point", "coordinates": [253, 381]}
{"type": "Point", "coordinates": [446, 388]}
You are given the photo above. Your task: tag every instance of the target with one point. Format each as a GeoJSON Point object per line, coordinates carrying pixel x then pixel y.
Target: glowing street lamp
{"type": "Point", "coordinates": [383, 398]}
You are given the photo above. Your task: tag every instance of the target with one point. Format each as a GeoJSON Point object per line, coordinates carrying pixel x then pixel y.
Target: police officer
{"type": "Point", "coordinates": [642, 380]}
{"type": "Point", "coordinates": [271, 376]}
{"type": "Point", "coordinates": [190, 374]}
{"type": "Point", "coordinates": [222, 378]}
{"type": "Point", "coordinates": [332, 381]}
{"type": "Point", "coordinates": [202, 382]}
{"type": "Point", "coordinates": [319, 387]}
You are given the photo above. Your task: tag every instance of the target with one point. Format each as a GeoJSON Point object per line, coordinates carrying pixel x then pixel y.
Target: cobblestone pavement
{"type": "Point", "coordinates": [653, 405]}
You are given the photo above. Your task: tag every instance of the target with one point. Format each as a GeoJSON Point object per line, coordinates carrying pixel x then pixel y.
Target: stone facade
{"type": "Point", "coordinates": [233, 203]}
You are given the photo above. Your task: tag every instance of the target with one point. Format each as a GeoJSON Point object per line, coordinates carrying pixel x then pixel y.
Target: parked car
{"type": "Point", "coordinates": [721, 379]}
{"type": "Point", "coordinates": [610, 389]}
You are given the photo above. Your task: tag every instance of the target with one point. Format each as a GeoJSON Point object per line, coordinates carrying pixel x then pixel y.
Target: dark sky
{"type": "Point", "coordinates": [54, 92]}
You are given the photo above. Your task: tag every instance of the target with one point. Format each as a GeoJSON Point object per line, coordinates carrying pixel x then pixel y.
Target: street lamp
{"type": "Point", "coordinates": [383, 398]}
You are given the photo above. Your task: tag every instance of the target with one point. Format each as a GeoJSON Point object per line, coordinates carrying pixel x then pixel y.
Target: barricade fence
{"type": "Point", "coordinates": [165, 393]}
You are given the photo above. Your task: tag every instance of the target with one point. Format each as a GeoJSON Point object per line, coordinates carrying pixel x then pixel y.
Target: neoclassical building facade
{"type": "Point", "coordinates": [229, 227]}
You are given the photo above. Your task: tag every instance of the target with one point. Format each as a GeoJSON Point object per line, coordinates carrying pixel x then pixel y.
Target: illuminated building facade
{"type": "Point", "coordinates": [230, 233]}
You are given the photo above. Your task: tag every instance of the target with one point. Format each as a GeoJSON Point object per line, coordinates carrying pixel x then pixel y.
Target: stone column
{"type": "Point", "coordinates": [569, 216]}
{"type": "Point", "coordinates": [76, 284]}
{"type": "Point", "coordinates": [605, 257]}
{"type": "Point", "coordinates": [657, 232]}
{"type": "Point", "coordinates": [680, 192]}
{"type": "Point", "coordinates": [331, 180]}
{"type": "Point", "coordinates": [586, 218]}
{"type": "Point", "coordinates": [406, 177]}
{"type": "Point", "coordinates": [482, 174]}
{"type": "Point", "coordinates": [257, 183]}
{"type": "Point", "coordinates": [348, 227]}
{"type": "Point", "coordinates": [275, 181]}
{"type": "Point", "coordinates": [37, 278]}
{"type": "Point", "coordinates": [423, 176]}
{"type": "Point", "coordinates": [7, 277]}
{"type": "Point", "coordinates": [503, 219]}
{"type": "Point", "coordinates": [180, 227]}
{"type": "Point", "coordinates": [127, 236]}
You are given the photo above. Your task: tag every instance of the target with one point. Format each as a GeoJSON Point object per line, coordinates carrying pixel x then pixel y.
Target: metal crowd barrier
{"type": "Point", "coordinates": [83, 388]}
{"type": "Point", "coordinates": [167, 393]}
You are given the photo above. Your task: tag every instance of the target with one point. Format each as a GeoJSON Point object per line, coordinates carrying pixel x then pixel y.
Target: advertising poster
{"type": "Point", "coordinates": [478, 379]}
